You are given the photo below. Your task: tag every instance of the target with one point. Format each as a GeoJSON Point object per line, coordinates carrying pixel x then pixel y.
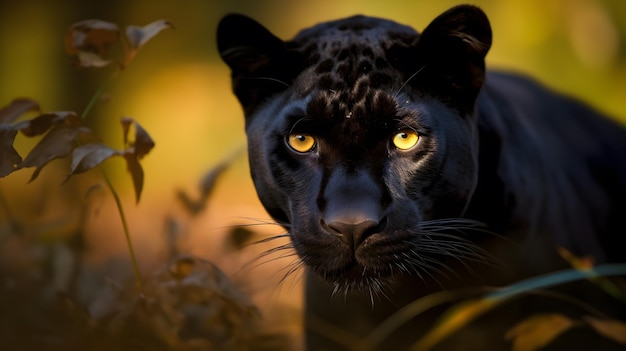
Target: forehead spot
{"type": "Point", "coordinates": [326, 82]}
{"type": "Point", "coordinates": [381, 63]}
{"type": "Point", "coordinates": [364, 67]}
{"type": "Point", "coordinates": [325, 66]}
{"type": "Point", "coordinates": [380, 79]}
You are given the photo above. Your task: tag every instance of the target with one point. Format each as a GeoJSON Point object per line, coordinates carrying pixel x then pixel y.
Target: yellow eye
{"type": "Point", "coordinates": [301, 142]}
{"type": "Point", "coordinates": [405, 139]}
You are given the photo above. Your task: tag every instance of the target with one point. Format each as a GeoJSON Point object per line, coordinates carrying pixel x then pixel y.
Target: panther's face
{"type": "Point", "coordinates": [362, 139]}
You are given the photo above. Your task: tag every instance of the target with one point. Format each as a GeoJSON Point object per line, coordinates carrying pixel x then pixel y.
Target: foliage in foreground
{"type": "Point", "coordinates": [52, 299]}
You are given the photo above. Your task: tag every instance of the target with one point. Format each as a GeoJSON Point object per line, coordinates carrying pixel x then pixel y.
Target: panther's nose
{"type": "Point", "coordinates": [354, 230]}
{"type": "Point", "coordinates": [352, 206]}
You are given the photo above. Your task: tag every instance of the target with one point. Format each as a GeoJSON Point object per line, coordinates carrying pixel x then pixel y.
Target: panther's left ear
{"type": "Point", "coordinates": [260, 63]}
{"type": "Point", "coordinates": [452, 49]}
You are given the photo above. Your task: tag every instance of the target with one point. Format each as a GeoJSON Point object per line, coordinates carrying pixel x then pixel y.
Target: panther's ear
{"type": "Point", "coordinates": [260, 63]}
{"type": "Point", "coordinates": [452, 51]}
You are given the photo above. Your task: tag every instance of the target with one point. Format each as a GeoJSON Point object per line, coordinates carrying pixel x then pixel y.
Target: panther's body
{"type": "Point", "coordinates": [328, 116]}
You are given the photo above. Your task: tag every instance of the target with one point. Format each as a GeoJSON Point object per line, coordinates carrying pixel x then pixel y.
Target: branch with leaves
{"type": "Point", "coordinates": [64, 134]}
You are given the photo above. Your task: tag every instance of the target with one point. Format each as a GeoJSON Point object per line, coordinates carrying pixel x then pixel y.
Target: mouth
{"type": "Point", "coordinates": [434, 252]}
{"type": "Point", "coordinates": [375, 265]}
{"type": "Point", "coordinates": [355, 277]}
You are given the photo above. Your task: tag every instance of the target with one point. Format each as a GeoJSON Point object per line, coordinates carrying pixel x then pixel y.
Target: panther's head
{"type": "Point", "coordinates": [362, 136]}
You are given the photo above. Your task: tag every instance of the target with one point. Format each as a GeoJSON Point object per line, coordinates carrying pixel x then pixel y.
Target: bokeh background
{"type": "Point", "coordinates": [179, 90]}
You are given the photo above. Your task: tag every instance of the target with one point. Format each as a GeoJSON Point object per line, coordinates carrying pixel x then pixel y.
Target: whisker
{"type": "Point", "coordinates": [294, 266]}
{"type": "Point", "coordinates": [434, 263]}
{"type": "Point", "coordinates": [395, 95]}
{"type": "Point", "coordinates": [268, 79]}
{"type": "Point", "coordinates": [271, 238]}
{"type": "Point", "coordinates": [428, 267]}
{"type": "Point", "coordinates": [461, 252]}
{"type": "Point", "coordinates": [460, 258]}
{"type": "Point", "coordinates": [253, 263]}
{"type": "Point", "coordinates": [460, 225]}
{"type": "Point", "coordinates": [262, 221]}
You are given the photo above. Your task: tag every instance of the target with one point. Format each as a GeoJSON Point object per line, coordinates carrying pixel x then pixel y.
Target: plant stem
{"type": "Point", "coordinates": [98, 93]}
{"type": "Point", "coordinates": [118, 202]}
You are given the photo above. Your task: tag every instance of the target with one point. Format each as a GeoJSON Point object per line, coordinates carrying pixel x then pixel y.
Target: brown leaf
{"type": "Point", "coordinates": [65, 134]}
{"type": "Point", "coordinates": [89, 59]}
{"type": "Point", "coordinates": [10, 160]}
{"type": "Point", "coordinates": [136, 172]}
{"type": "Point", "coordinates": [89, 41]}
{"type": "Point", "coordinates": [142, 144]}
{"type": "Point", "coordinates": [42, 123]}
{"type": "Point", "coordinates": [610, 328]}
{"type": "Point", "coordinates": [138, 36]}
{"type": "Point", "coordinates": [538, 331]}
{"type": "Point", "coordinates": [135, 150]}
{"type": "Point", "coordinates": [17, 108]}
{"type": "Point", "coordinates": [88, 156]}
{"type": "Point", "coordinates": [182, 267]}
{"type": "Point", "coordinates": [207, 183]}
{"type": "Point", "coordinates": [126, 123]}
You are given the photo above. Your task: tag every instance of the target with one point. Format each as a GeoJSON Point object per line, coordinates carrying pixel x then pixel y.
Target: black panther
{"type": "Point", "coordinates": [400, 166]}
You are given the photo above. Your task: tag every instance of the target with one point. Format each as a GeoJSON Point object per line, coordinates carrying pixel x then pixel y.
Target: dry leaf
{"type": "Point", "coordinates": [138, 36]}
{"type": "Point", "coordinates": [142, 144]}
{"type": "Point", "coordinates": [16, 108]}
{"type": "Point", "coordinates": [10, 160]}
{"type": "Point", "coordinates": [610, 328]}
{"type": "Point", "coordinates": [42, 123]}
{"type": "Point", "coordinates": [538, 331]}
{"type": "Point", "coordinates": [65, 134]}
{"type": "Point", "coordinates": [135, 150]}
{"type": "Point", "coordinates": [90, 40]}
{"type": "Point", "coordinates": [89, 59]}
{"type": "Point", "coordinates": [207, 183]}
{"type": "Point", "coordinates": [136, 173]}
{"type": "Point", "coordinates": [88, 156]}
{"type": "Point", "coordinates": [182, 267]}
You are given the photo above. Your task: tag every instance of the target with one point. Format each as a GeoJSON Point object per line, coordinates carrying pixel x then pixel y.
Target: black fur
{"type": "Point", "coordinates": [384, 226]}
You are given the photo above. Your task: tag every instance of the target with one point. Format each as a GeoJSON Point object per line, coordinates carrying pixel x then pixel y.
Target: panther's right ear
{"type": "Point", "coordinates": [260, 63]}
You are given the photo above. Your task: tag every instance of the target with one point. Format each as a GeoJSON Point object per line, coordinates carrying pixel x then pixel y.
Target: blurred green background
{"type": "Point", "coordinates": [179, 90]}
